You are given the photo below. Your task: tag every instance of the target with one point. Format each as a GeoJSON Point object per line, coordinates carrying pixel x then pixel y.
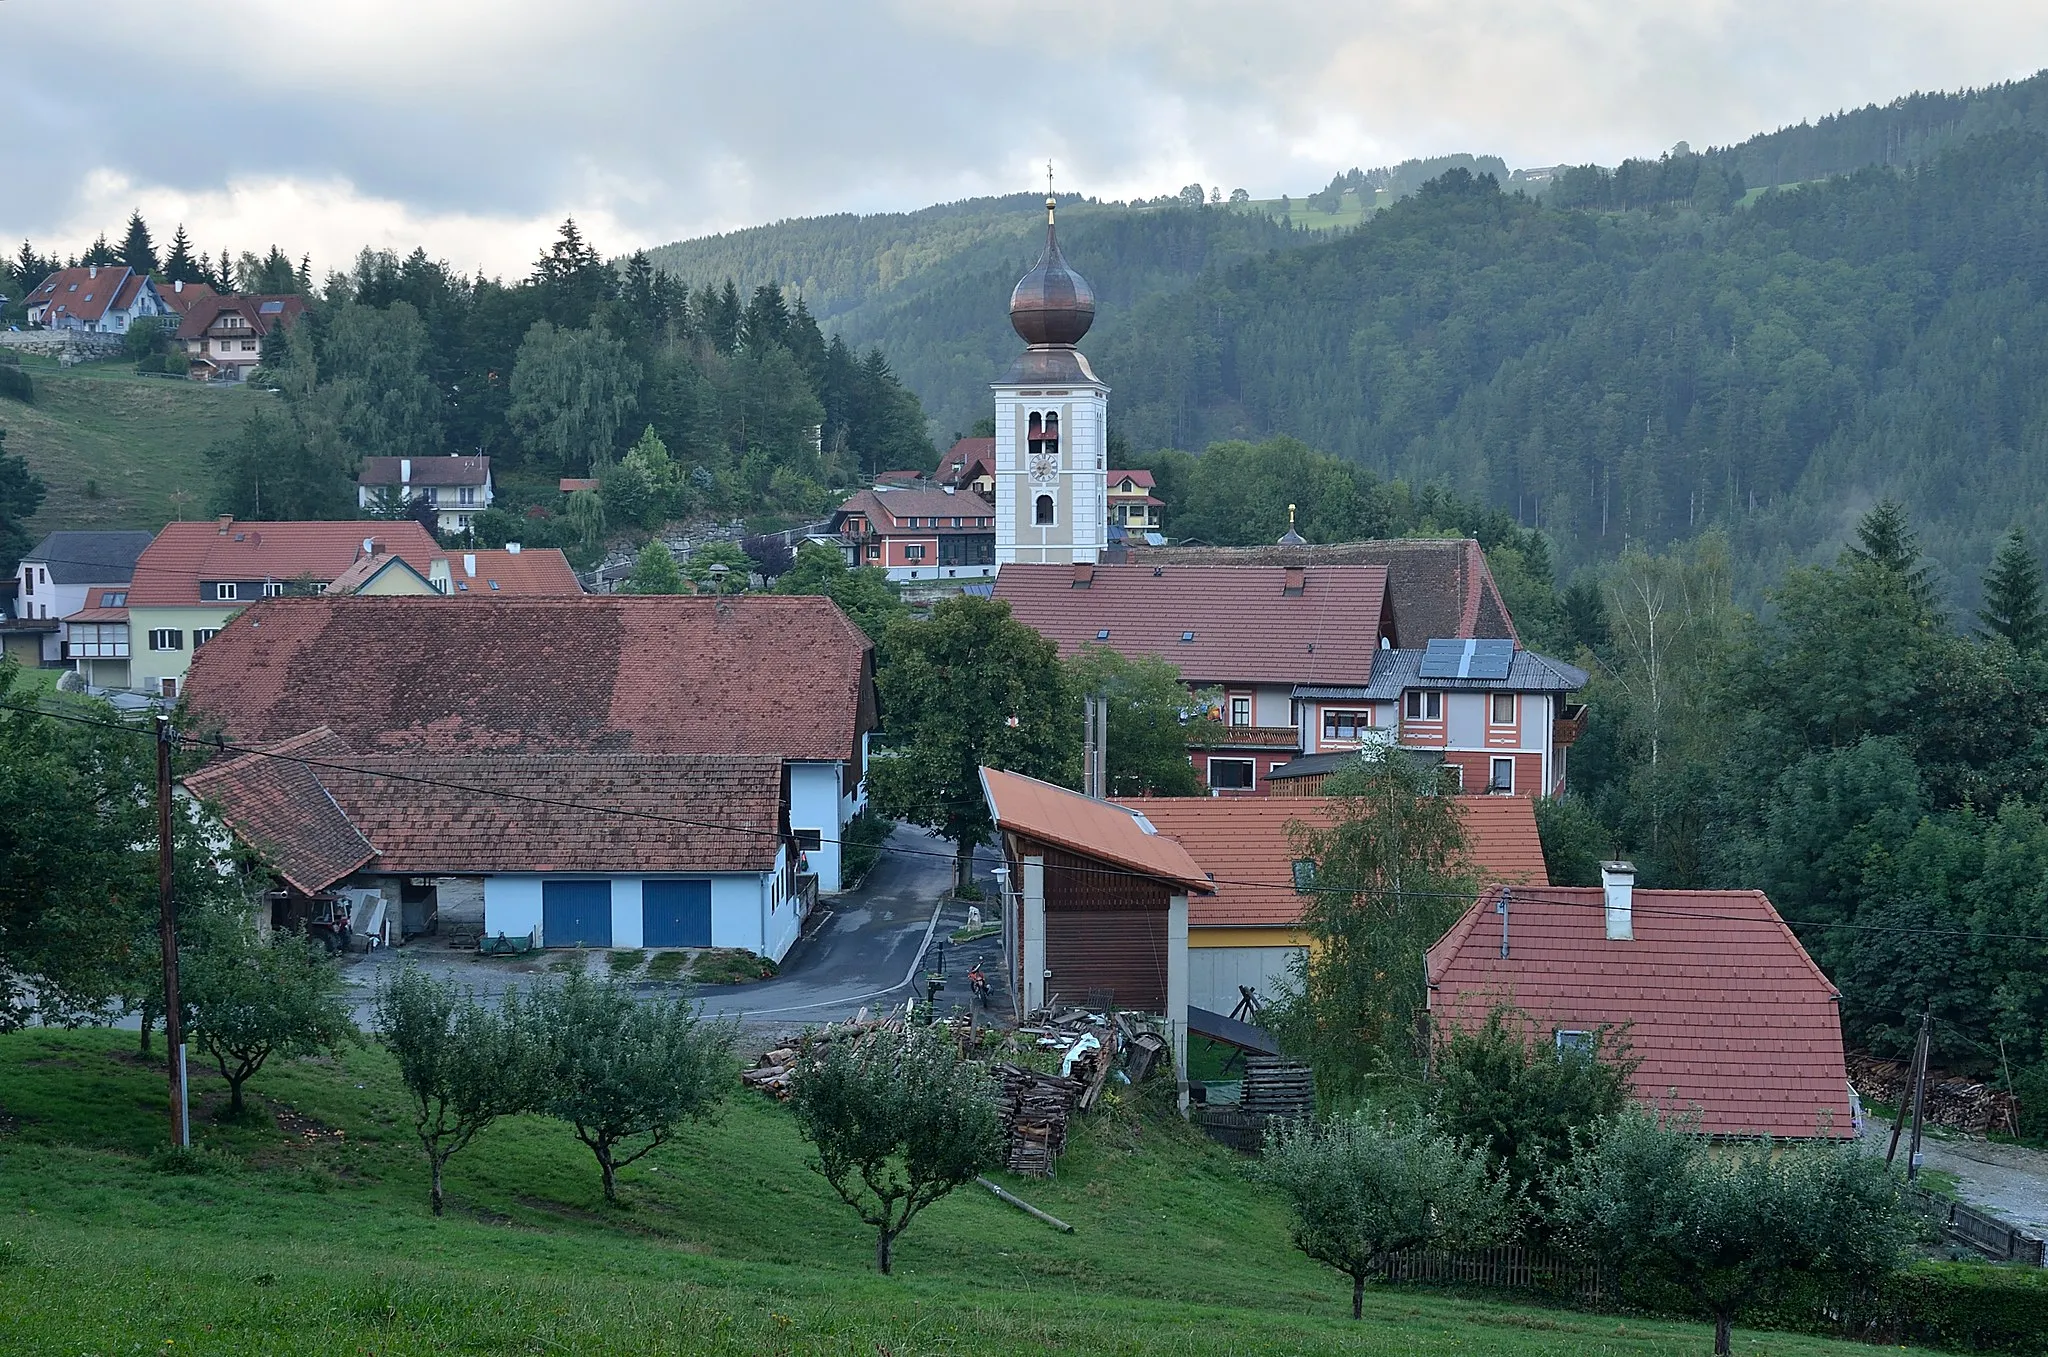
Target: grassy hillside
{"type": "Point", "coordinates": [315, 1238]}
{"type": "Point", "coordinates": [139, 442]}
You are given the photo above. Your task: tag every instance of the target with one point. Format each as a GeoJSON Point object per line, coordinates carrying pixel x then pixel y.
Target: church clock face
{"type": "Point", "coordinates": [1045, 468]}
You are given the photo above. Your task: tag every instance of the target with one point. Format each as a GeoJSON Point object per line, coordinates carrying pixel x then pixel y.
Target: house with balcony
{"type": "Point", "coordinates": [56, 578]}
{"type": "Point", "coordinates": [918, 532]}
{"type": "Point", "coordinates": [194, 577]}
{"type": "Point", "coordinates": [1310, 664]}
{"type": "Point", "coordinates": [223, 335]}
{"type": "Point", "coordinates": [94, 298]}
{"type": "Point", "coordinates": [458, 488]}
{"type": "Point", "coordinates": [1134, 503]}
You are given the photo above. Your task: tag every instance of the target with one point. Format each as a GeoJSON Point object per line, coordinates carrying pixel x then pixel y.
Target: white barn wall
{"type": "Point", "coordinates": [512, 906]}
{"type": "Point", "coordinates": [628, 924]}
{"type": "Point", "coordinates": [1214, 973]}
{"type": "Point", "coordinates": [815, 803]}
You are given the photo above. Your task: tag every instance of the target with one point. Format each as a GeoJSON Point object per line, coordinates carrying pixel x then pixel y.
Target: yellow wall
{"type": "Point", "coordinates": [396, 580]}
{"type": "Point", "coordinates": [1247, 937]}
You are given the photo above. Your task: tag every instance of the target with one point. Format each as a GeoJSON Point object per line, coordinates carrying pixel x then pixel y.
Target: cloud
{"type": "Point", "coordinates": [472, 128]}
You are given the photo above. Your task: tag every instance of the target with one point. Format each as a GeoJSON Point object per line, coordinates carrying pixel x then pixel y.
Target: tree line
{"type": "Point", "coordinates": [561, 374]}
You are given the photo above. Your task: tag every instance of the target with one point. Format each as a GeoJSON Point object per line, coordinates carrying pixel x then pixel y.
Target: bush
{"type": "Point", "coordinates": [860, 846]}
{"type": "Point", "coordinates": [15, 384]}
{"type": "Point", "coordinates": [1962, 1307]}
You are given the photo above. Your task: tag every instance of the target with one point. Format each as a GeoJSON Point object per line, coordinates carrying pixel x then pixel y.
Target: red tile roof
{"type": "Point", "coordinates": [96, 607]}
{"type": "Point", "coordinates": [536, 572]}
{"type": "Point", "coordinates": [182, 297]}
{"type": "Point", "coordinates": [260, 313]}
{"type": "Point", "coordinates": [1725, 1009]}
{"type": "Point", "coordinates": [890, 510]}
{"type": "Point", "coordinates": [1436, 587]}
{"type": "Point", "coordinates": [279, 807]}
{"type": "Point", "coordinates": [1141, 479]}
{"type": "Point", "coordinates": [571, 484]}
{"type": "Point", "coordinates": [425, 471]}
{"type": "Point", "coordinates": [169, 572]}
{"type": "Point", "coordinates": [83, 293]}
{"type": "Point", "coordinates": [1247, 627]}
{"type": "Point", "coordinates": [478, 814]}
{"type": "Point", "coordinates": [1097, 829]}
{"type": "Point", "coordinates": [756, 675]}
{"type": "Point", "coordinates": [961, 457]}
{"type": "Point", "coordinates": [1244, 844]}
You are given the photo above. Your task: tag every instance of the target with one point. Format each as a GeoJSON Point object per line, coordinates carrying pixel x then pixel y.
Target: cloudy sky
{"type": "Point", "coordinates": [472, 128]}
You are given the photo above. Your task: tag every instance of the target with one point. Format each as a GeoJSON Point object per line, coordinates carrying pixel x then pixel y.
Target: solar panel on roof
{"type": "Point", "coordinates": [1455, 659]}
{"type": "Point", "coordinates": [270, 308]}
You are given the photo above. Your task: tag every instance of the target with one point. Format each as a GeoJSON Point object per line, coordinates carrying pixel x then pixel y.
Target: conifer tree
{"type": "Point", "coordinates": [101, 253]}
{"type": "Point", "coordinates": [1889, 543]}
{"type": "Point", "coordinates": [179, 264]}
{"type": "Point", "coordinates": [138, 251]}
{"type": "Point", "coordinates": [2012, 595]}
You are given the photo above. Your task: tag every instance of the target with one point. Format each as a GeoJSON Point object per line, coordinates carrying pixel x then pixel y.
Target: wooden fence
{"type": "Point", "coordinates": [1515, 1267]}
{"type": "Point", "coordinates": [1989, 1235]}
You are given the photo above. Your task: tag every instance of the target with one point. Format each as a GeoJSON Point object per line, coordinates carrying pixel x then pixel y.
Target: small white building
{"type": "Point", "coordinates": [567, 850]}
{"type": "Point", "coordinates": [458, 488]}
{"type": "Point", "coordinates": [97, 299]}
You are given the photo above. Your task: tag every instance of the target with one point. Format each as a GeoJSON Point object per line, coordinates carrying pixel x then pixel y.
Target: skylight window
{"type": "Point", "coordinates": [270, 308]}
{"type": "Point", "coordinates": [494, 584]}
{"type": "Point", "coordinates": [1102, 635]}
{"type": "Point", "coordinates": [1186, 637]}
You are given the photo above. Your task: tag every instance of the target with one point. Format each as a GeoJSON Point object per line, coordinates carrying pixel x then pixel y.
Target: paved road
{"type": "Point", "coordinates": [863, 948]}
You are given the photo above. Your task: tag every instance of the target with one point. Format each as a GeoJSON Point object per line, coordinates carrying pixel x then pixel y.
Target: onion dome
{"type": "Point", "coordinates": [1291, 538]}
{"type": "Point", "coordinates": [1052, 304]}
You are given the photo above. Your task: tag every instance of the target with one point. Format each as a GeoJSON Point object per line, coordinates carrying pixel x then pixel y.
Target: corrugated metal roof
{"type": "Point", "coordinates": [1098, 829]}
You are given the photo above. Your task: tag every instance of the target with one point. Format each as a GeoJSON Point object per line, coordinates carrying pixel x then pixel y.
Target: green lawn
{"type": "Point", "coordinates": [1354, 211]}
{"type": "Point", "coordinates": [319, 1241]}
{"type": "Point", "coordinates": [140, 442]}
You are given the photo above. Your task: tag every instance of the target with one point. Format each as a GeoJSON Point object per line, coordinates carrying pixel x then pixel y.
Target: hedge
{"type": "Point", "coordinates": [1960, 1307]}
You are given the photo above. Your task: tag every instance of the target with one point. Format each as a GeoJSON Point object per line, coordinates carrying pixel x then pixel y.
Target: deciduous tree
{"type": "Point", "coordinates": [898, 1120]}
{"type": "Point", "coordinates": [627, 1073]}
{"type": "Point", "coordinates": [256, 997]}
{"type": "Point", "coordinates": [655, 572]}
{"type": "Point", "coordinates": [864, 594]}
{"type": "Point", "coordinates": [1150, 711]}
{"type": "Point", "coordinates": [966, 687]}
{"type": "Point", "coordinates": [463, 1064]}
{"type": "Point", "coordinates": [1363, 1187]}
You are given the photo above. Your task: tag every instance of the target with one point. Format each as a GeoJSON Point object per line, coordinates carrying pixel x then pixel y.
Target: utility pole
{"type": "Point", "coordinates": [167, 937]}
{"type": "Point", "coordinates": [1095, 746]}
{"type": "Point", "coordinates": [1919, 1101]}
{"type": "Point", "coordinates": [1910, 1092]}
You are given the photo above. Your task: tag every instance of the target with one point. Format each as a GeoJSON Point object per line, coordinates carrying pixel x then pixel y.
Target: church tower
{"type": "Point", "coordinates": [1052, 424]}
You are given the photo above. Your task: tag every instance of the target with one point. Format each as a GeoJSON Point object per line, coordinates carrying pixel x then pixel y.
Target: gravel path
{"type": "Point", "coordinates": [2007, 1181]}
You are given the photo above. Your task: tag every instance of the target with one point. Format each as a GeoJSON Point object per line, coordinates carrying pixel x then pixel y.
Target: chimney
{"type": "Point", "coordinates": [223, 523]}
{"type": "Point", "coordinates": [405, 471]}
{"type": "Point", "coordinates": [1618, 884]}
{"type": "Point", "coordinates": [93, 272]}
{"type": "Point", "coordinates": [1084, 575]}
{"type": "Point", "coordinates": [469, 564]}
{"type": "Point", "coordinates": [178, 286]}
{"type": "Point", "coordinates": [511, 548]}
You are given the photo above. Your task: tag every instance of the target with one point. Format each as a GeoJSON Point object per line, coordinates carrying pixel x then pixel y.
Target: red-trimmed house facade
{"type": "Point", "coordinates": [919, 532]}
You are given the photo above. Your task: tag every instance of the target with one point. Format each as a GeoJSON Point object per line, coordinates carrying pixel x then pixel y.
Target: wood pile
{"type": "Point", "coordinates": [1277, 1088]}
{"type": "Point", "coordinates": [1036, 1108]}
{"type": "Point", "coordinates": [1958, 1104]}
{"type": "Point", "coordinates": [771, 1072]}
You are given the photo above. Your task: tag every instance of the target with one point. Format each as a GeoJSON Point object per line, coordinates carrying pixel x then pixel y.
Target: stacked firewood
{"type": "Point", "coordinates": [1035, 1108]}
{"type": "Point", "coordinates": [1959, 1104]}
{"type": "Point", "coordinates": [773, 1068]}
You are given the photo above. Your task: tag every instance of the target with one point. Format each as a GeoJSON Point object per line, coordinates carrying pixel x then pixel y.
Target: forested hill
{"type": "Point", "coordinates": [1905, 131]}
{"type": "Point", "coordinates": [1637, 376]}
{"type": "Point", "coordinates": [932, 286]}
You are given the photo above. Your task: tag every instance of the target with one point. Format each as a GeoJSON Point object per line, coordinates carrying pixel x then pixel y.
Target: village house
{"type": "Point", "coordinates": [56, 578]}
{"type": "Point", "coordinates": [1134, 503]}
{"type": "Point", "coordinates": [458, 488]}
{"type": "Point", "coordinates": [562, 850]}
{"type": "Point", "coordinates": [195, 576]}
{"type": "Point", "coordinates": [180, 297]}
{"type": "Point", "coordinates": [510, 572]}
{"type": "Point", "coordinates": [1720, 1005]}
{"type": "Point", "coordinates": [757, 676]}
{"type": "Point", "coordinates": [95, 298]}
{"type": "Point", "coordinates": [224, 335]}
{"type": "Point", "coordinates": [1246, 932]}
{"type": "Point", "coordinates": [970, 464]}
{"type": "Point", "coordinates": [918, 532]}
{"type": "Point", "coordinates": [1309, 659]}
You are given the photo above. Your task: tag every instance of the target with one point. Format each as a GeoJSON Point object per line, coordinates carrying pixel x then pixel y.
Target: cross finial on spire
{"type": "Point", "coordinates": [1048, 178]}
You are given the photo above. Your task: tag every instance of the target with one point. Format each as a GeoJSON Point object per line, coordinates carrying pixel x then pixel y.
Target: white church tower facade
{"type": "Point", "coordinates": [1052, 424]}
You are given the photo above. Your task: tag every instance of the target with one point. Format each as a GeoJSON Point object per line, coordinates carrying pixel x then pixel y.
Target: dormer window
{"type": "Point", "coordinates": [224, 593]}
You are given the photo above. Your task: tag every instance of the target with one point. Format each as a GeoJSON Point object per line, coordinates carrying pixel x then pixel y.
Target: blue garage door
{"type": "Point", "coordinates": [675, 913]}
{"type": "Point", "coordinates": [576, 913]}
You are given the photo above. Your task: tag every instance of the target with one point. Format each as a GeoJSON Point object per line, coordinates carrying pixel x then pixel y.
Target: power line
{"type": "Point", "coordinates": [1524, 894]}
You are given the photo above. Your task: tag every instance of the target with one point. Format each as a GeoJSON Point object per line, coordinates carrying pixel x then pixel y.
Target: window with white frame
{"type": "Point", "coordinates": [201, 635]}
{"type": "Point", "coordinates": [1573, 1041]}
{"type": "Point", "coordinates": [224, 593]}
{"type": "Point", "coordinates": [1425, 705]}
{"type": "Point", "coordinates": [1503, 779]}
{"type": "Point", "coordinates": [1339, 724]}
{"type": "Point", "coordinates": [273, 588]}
{"type": "Point", "coordinates": [1503, 713]}
{"type": "Point", "coordinates": [1231, 775]}
{"type": "Point", "coordinates": [914, 552]}
{"type": "Point", "coordinates": [167, 638]}
{"type": "Point", "coordinates": [1240, 709]}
